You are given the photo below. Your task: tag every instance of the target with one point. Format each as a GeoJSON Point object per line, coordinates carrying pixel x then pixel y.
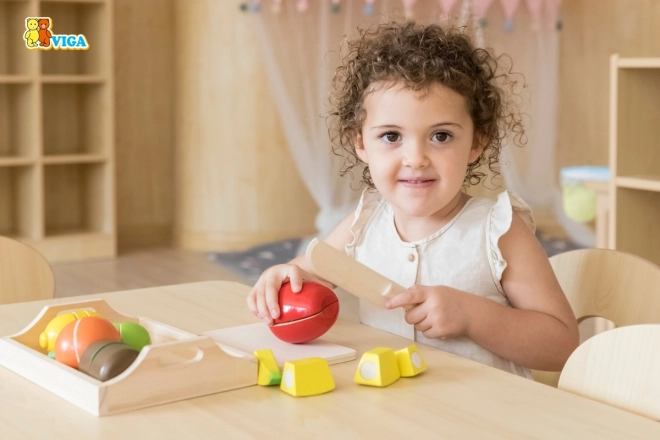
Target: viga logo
{"type": "Point", "coordinates": [39, 36]}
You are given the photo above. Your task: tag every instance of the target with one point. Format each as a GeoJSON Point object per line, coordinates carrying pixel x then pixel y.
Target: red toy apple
{"type": "Point", "coordinates": [306, 315]}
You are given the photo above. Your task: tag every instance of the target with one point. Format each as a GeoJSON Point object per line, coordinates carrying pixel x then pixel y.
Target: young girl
{"type": "Point", "coordinates": [421, 108]}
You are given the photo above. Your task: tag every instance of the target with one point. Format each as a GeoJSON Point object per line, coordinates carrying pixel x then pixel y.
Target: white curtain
{"type": "Point", "coordinates": [301, 50]}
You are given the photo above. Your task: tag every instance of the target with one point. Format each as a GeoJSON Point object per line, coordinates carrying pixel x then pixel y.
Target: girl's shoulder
{"type": "Point", "coordinates": [498, 222]}
{"type": "Point", "coordinates": [500, 211]}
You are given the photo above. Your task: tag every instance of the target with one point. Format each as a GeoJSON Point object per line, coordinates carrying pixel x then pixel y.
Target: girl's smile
{"type": "Point", "coordinates": [418, 147]}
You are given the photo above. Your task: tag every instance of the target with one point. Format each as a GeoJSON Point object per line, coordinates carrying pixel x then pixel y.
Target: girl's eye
{"type": "Point", "coordinates": [442, 137]}
{"type": "Point", "coordinates": [390, 137]}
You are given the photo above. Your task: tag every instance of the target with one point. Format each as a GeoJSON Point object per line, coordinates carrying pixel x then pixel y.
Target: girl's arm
{"type": "Point", "coordinates": [540, 331]}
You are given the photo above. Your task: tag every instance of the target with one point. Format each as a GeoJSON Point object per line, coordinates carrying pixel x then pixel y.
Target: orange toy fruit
{"type": "Point", "coordinates": [78, 335]}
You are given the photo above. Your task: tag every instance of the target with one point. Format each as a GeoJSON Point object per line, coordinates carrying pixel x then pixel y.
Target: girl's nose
{"type": "Point", "coordinates": [414, 155]}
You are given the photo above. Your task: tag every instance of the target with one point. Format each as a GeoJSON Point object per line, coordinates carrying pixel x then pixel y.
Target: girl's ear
{"type": "Point", "coordinates": [478, 145]}
{"type": "Point", "coordinates": [359, 149]}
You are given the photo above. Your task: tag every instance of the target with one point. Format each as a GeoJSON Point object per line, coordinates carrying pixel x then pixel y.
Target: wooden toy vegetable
{"type": "Point", "coordinates": [306, 315]}
{"type": "Point", "coordinates": [78, 335]}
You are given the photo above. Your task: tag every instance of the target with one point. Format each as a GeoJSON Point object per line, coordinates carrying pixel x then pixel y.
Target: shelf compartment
{"type": "Point", "coordinates": [18, 136]}
{"type": "Point", "coordinates": [77, 199]}
{"type": "Point", "coordinates": [638, 101]}
{"type": "Point", "coordinates": [639, 63]}
{"type": "Point", "coordinates": [646, 183]}
{"type": "Point", "coordinates": [15, 57]}
{"type": "Point", "coordinates": [75, 119]}
{"type": "Point", "coordinates": [15, 79]}
{"type": "Point", "coordinates": [72, 79]}
{"type": "Point", "coordinates": [71, 17]}
{"type": "Point", "coordinates": [73, 1]}
{"type": "Point", "coordinates": [18, 198]}
{"type": "Point", "coordinates": [636, 216]}
{"type": "Point", "coordinates": [16, 161]}
{"type": "Point", "coordinates": [74, 159]}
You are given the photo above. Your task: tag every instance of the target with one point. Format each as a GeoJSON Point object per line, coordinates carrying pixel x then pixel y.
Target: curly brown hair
{"type": "Point", "coordinates": [418, 56]}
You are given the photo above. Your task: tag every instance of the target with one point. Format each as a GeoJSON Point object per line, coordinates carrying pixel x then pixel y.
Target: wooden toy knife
{"type": "Point", "coordinates": [351, 275]}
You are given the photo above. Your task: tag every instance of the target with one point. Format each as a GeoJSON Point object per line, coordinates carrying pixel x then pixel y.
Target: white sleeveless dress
{"type": "Point", "coordinates": [463, 254]}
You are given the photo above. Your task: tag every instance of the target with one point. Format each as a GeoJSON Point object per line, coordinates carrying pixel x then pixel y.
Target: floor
{"type": "Point", "coordinates": [139, 269]}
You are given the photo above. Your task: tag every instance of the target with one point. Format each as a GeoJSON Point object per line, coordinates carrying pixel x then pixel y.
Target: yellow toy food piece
{"type": "Point", "coordinates": [269, 372]}
{"type": "Point", "coordinates": [378, 368]}
{"type": "Point", "coordinates": [307, 377]}
{"type": "Point", "coordinates": [55, 326]}
{"type": "Point", "coordinates": [410, 361]}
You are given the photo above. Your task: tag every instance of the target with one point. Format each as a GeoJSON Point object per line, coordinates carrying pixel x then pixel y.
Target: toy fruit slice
{"type": "Point", "coordinates": [49, 336]}
{"type": "Point", "coordinates": [306, 315]}
{"type": "Point", "coordinates": [105, 360]}
{"type": "Point", "coordinates": [78, 335]}
{"type": "Point", "coordinates": [133, 334]}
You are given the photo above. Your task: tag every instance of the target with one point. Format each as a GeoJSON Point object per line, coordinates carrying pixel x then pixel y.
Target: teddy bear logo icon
{"type": "Point", "coordinates": [32, 34]}
{"type": "Point", "coordinates": [38, 32]}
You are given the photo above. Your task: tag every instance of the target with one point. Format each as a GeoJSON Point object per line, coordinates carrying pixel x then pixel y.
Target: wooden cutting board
{"type": "Point", "coordinates": [248, 338]}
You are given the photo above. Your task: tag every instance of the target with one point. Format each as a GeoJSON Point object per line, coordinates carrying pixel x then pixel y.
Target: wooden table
{"type": "Point", "coordinates": [454, 398]}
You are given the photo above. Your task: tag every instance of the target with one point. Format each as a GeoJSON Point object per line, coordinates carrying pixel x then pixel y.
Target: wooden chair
{"type": "Point", "coordinates": [25, 275]}
{"type": "Point", "coordinates": [620, 367]}
{"type": "Point", "coordinates": [614, 285]}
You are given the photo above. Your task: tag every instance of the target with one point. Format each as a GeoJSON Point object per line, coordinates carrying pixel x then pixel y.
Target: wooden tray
{"type": "Point", "coordinates": [178, 365]}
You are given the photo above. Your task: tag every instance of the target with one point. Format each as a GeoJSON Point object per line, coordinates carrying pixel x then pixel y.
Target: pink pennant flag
{"type": "Point", "coordinates": [408, 7]}
{"type": "Point", "coordinates": [480, 7]}
{"type": "Point", "coordinates": [534, 7]}
{"type": "Point", "coordinates": [509, 7]}
{"type": "Point", "coordinates": [302, 5]}
{"type": "Point", "coordinates": [552, 11]}
{"type": "Point", "coordinates": [447, 5]}
{"type": "Point", "coordinates": [445, 8]}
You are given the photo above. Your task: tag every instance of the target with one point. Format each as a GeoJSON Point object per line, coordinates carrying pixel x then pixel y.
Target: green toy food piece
{"type": "Point", "coordinates": [133, 334]}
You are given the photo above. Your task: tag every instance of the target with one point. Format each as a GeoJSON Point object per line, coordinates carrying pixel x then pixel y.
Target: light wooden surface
{"type": "Point", "coordinates": [617, 286]}
{"type": "Point", "coordinates": [592, 31]}
{"type": "Point", "coordinates": [602, 190]}
{"type": "Point", "coordinates": [56, 120]}
{"type": "Point", "coordinates": [620, 367]}
{"type": "Point", "coordinates": [236, 183]}
{"type": "Point", "coordinates": [144, 121]}
{"type": "Point", "coordinates": [454, 398]}
{"type": "Point", "coordinates": [634, 156]}
{"type": "Point", "coordinates": [25, 275]}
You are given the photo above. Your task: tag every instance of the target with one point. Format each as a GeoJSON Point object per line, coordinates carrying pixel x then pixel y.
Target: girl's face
{"type": "Point", "coordinates": [417, 148]}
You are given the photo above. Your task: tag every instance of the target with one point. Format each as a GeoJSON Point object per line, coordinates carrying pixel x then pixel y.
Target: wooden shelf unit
{"type": "Point", "coordinates": [635, 156]}
{"type": "Point", "coordinates": [57, 169]}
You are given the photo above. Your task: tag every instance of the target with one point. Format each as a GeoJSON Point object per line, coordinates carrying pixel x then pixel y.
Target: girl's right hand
{"type": "Point", "coordinates": [263, 298]}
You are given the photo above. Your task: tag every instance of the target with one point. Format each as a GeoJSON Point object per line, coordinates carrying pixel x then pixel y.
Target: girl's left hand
{"type": "Point", "coordinates": [438, 311]}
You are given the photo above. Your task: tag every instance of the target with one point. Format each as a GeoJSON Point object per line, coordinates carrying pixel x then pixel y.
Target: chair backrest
{"type": "Point", "coordinates": [620, 367]}
{"type": "Point", "coordinates": [25, 274]}
{"type": "Point", "coordinates": [614, 285]}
